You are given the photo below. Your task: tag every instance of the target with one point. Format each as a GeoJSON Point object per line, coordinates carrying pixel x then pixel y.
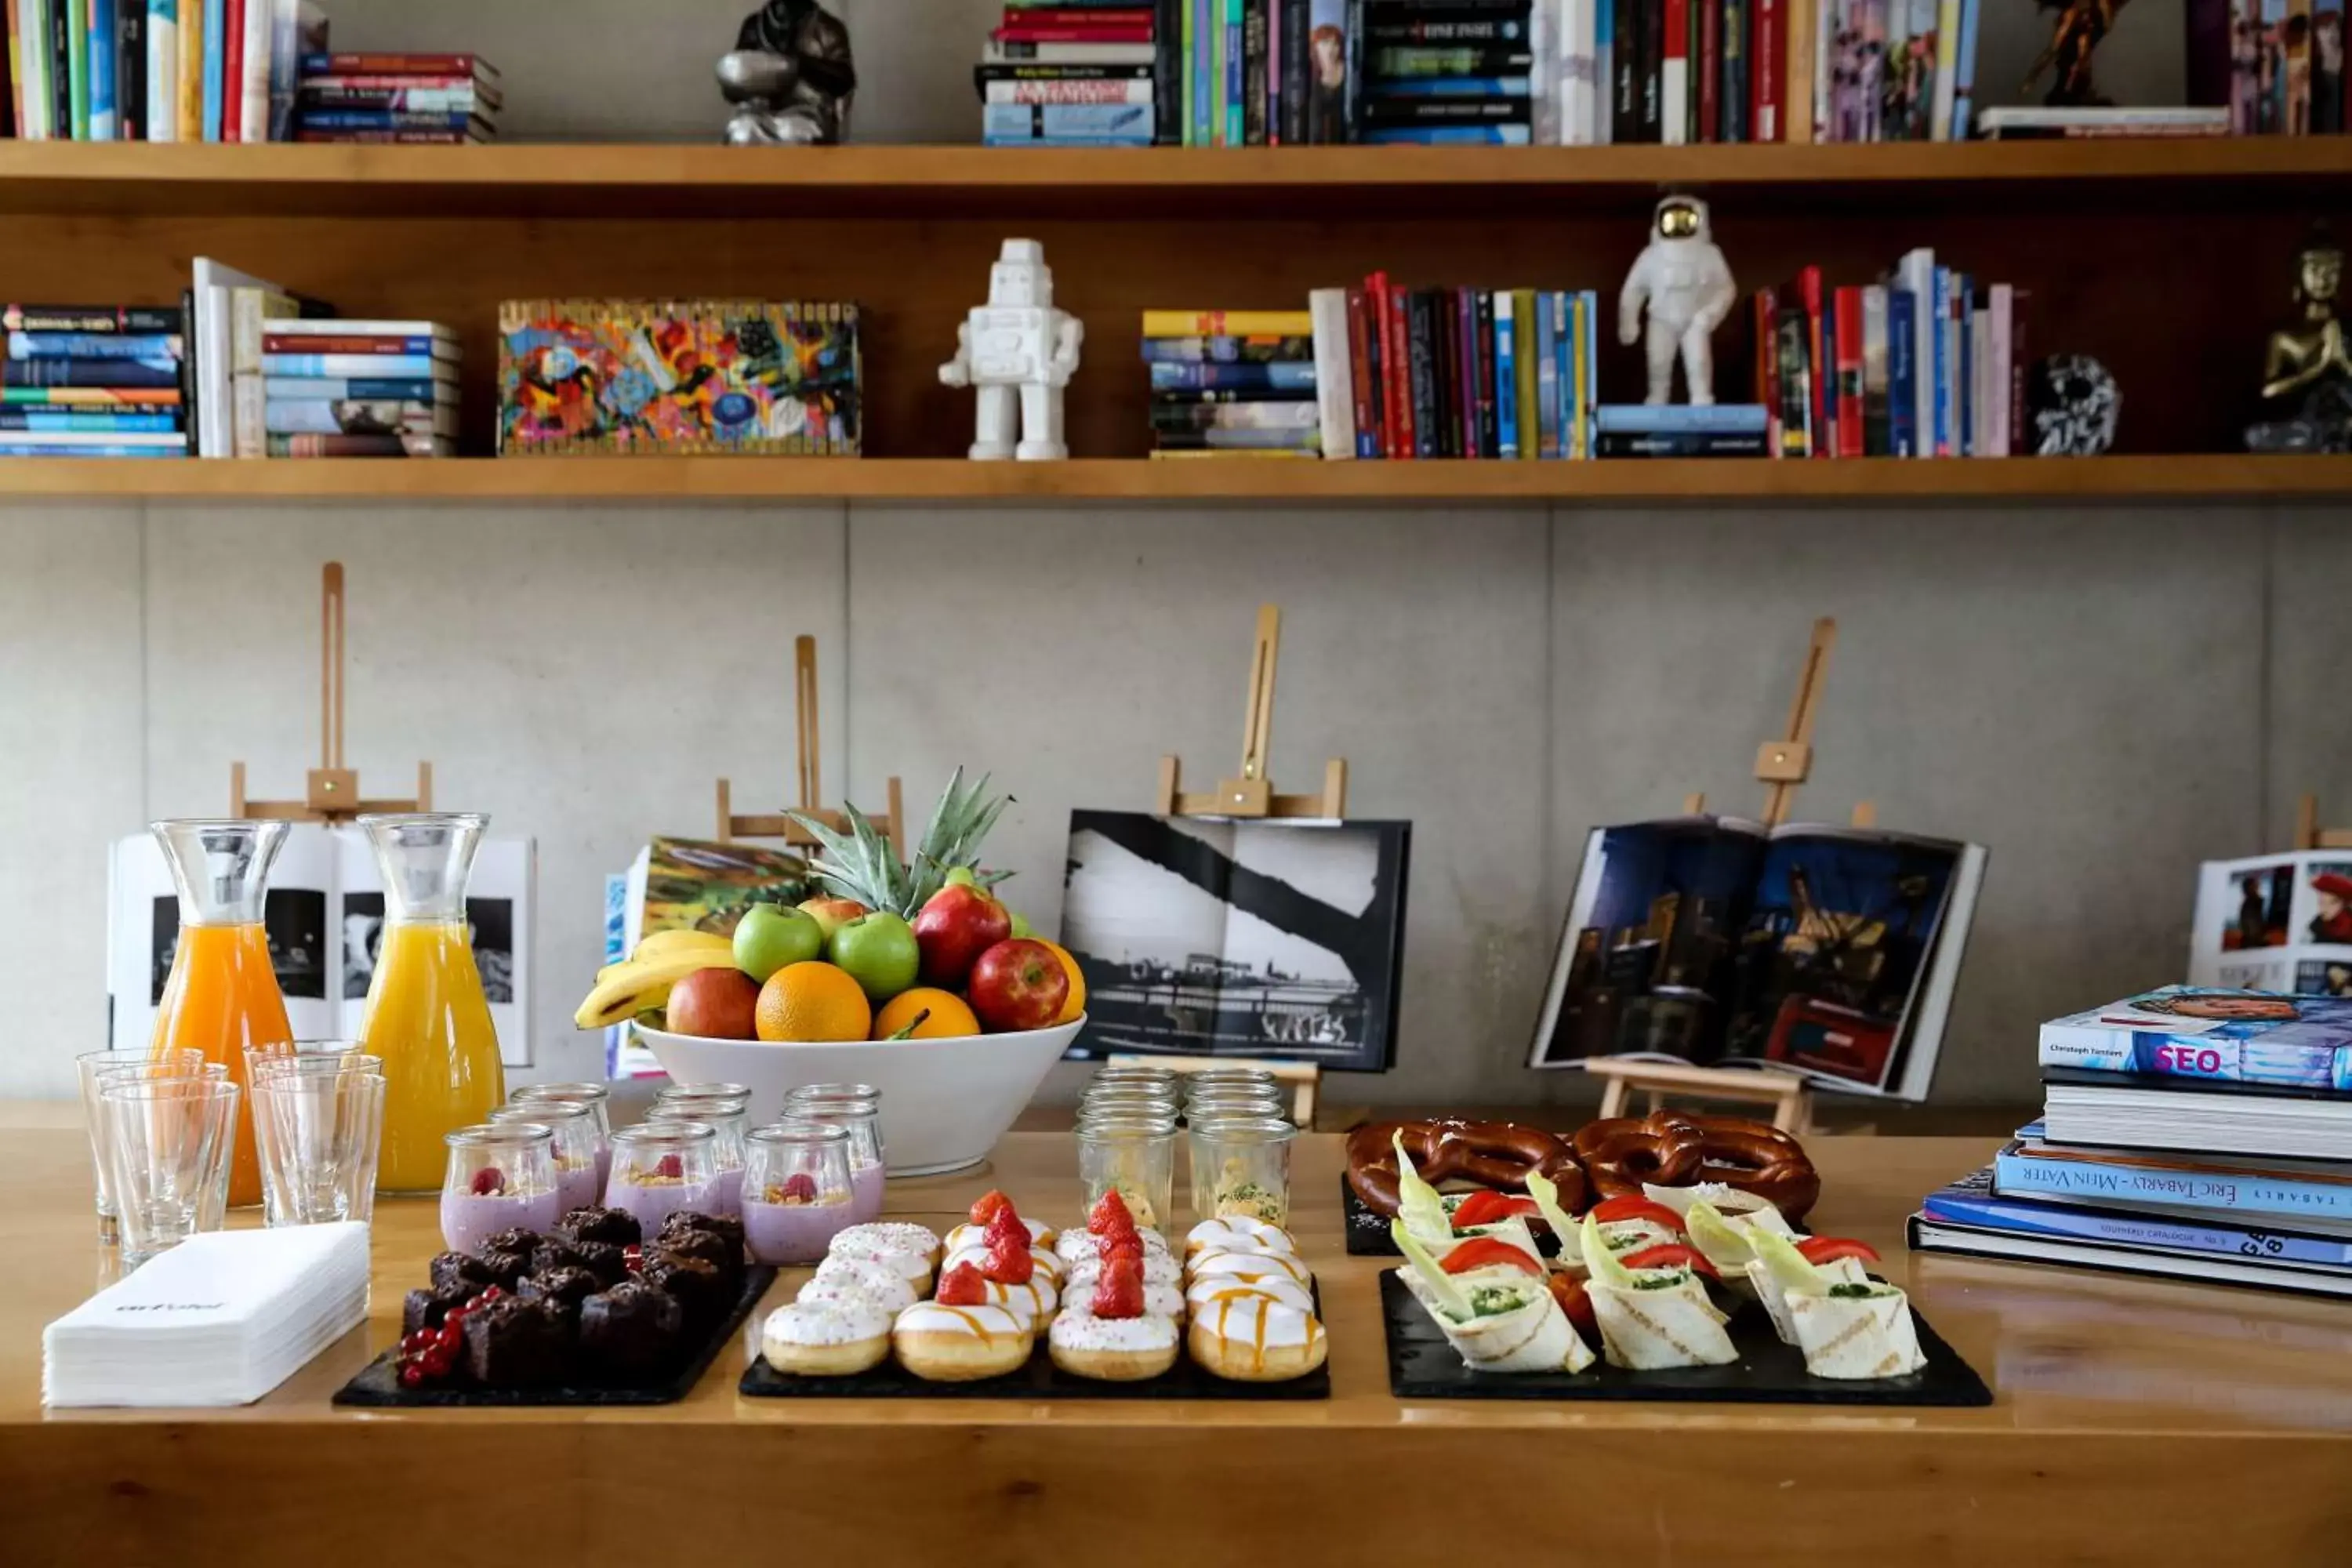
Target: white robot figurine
{"type": "Point", "coordinates": [1018, 341]}
{"type": "Point", "coordinates": [1686, 284]}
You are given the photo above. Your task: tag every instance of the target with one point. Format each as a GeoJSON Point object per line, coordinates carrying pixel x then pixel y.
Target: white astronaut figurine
{"type": "Point", "coordinates": [1018, 341]}
{"type": "Point", "coordinates": [1686, 284]}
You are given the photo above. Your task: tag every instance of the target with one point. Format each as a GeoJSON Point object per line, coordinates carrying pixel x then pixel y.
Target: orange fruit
{"type": "Point", "coordinates": [1078, 1001]}
{"type": "Point", "coordinates": [949, 1015]}
{"type": "Point", "coordinates": [810, 1001]}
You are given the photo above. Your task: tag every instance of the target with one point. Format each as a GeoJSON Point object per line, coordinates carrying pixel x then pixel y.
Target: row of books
{"type": "Point", "coordinates": [2197, 1132]}
{"type": "Point", "coordinates": [425, 100]}
{"type": "Point", "coordinates": [1894, 70]}
{"type": "Point", "coordinates": [2275, 68]}
{"type": "Point", "coordinates": [155, 70]}
{"type": "Point", "coordinates": [92, 380]}
{"type": "Point", "coordinates": [1927, 363]}
{"type": "Point", "coordinates": [1233, 382]}
{"type": "Point", "coordinates": [1072, 73]}
{"type": "Point", "coordinates": [334, 388]}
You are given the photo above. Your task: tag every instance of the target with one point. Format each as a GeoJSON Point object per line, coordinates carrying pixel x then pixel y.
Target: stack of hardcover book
{"type": "Point", "coordinates": [155, 70]}
{"type": "Point", "coordinates": [92, 380]}
{"type": "Point", "coordinates": [424, 100]}
{"type": "Point", "coordinates": [1448, 71]}
{"type": "Point", "coordinates": [1456, 372]}
{"type": "Point", "coordinates": [1926, 363]}
{"type": "Point", "coordinates": [1071, 73]}
{"type": "Point", "coordinates": [1233, 382]}
{"type": "Point", "coordinates": [2193, 1131]}
{"type": "Point", "coordinates": [358, 389]}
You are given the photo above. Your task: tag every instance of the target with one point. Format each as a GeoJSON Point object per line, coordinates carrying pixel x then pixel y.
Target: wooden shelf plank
{"type": "Point", "coordinates": [638, 181]}
{"type": "Point", "coordinates": [1468, 484]}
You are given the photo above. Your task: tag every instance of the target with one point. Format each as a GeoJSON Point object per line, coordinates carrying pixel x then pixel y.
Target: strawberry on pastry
{"type": "Point", "coordinates": [962, 1285]}
{"type": "Point", "coordinates": [1009, 1261]}
{"type": "Point", "coordinates": [1117, 1340]}
{"type": "Point", "coordinates": [1110, 1216]}
{"type": "Point", "coordinates": [1119, 1292]}
{"type": "Point", "coordinates": [985, 1208]}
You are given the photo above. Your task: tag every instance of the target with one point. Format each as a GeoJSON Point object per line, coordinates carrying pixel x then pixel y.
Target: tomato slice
{"type": "Point", "coordinates": [1485, 1252]}
{"type": "Point", "coordinates": [1487, 1207]}
{"type": "Point", "coordinates": [1569, 1292]}
{"type": "Point", "coordinates": [1613, 1210]}
{"type": "Point", "coordinates": [1821, 1249]}
{"type": "Point", "coordinates": [1671, 1255]}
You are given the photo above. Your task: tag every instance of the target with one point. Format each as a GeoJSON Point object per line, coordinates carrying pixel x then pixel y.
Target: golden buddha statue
{"type": "Point", "coordinates": [2314, 349]}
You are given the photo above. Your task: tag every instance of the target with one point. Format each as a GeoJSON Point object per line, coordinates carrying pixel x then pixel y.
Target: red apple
{"type": "Point", "coordinates": [954, 928]}
{"type": "Point", "coordinates": [1018, 985]}
{"type": "Point", "coordinates": [721, 1003]}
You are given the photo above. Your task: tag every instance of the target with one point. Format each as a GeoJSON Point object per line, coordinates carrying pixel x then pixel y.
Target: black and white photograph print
{"type": "Point", "coordinates": [491, 924]}
{"type": "Point", "coordinates": [295, 919]}
{"type": "Point", "coordinates": [1244, 938]}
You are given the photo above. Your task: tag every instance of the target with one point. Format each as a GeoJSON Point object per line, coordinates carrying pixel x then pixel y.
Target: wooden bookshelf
{"type": "Point", "coordinates": [1658, 482]}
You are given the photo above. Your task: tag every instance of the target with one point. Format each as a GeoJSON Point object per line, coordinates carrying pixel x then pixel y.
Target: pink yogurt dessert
{"type": "Point", "coordinates": [576, 1187]}
{"type": "Point", "coordinates": [466, 1218]}
{"type": "Point", "coordinates": [653, 1202]}
{"type": "Point", "coordinates": [726, 1194]}
{"type": "Point", "coordinates": [793, 1232]}
{"type": "Point", "coordinates": [864, 1193]}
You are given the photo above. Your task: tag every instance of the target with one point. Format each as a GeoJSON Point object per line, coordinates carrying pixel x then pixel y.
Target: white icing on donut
{"type": "Point", "coordinates": [1075, 1331]}
{"type": "Point", "coordinates": [1254, 1320]}
{"type": "Point", "coordinates": [910, 1265]}
{"type": "Point", "coordinates": [970, 1235]}
{"type": "Point", "coordinates": [1159, 1268]}
{"type": "Point", "coordinates": [1078, 1246]}
{"type": "Point", "coordinates": [1288, 1292]}
{"type": "Point", "coordinates": [982, 1322]}
{"type": "Point", "coordinates": [1033, 1299]}
{"type": "Point", "coordinates": [1238, 1234]}
{"type": "Point", "coordinates": [842, 1320]}
{"type": "Point", "coordinates": [1159, 1300]}
{"type": "Point", "coordinates": [1245, 1266]}
{"type": "Point", "coordinates": [885, 1281]}
{"type": "Point", "coordinates": [1044, 1262]}
{"type": "Point", "coordinates": [893, 1235]}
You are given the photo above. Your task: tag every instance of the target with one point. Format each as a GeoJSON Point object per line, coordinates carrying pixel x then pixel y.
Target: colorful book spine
{"type": "Point", "coordinates": [84, 421]}
{"type": "Point", "coordinates": [1235, 323]}
{"type": "Point", "coordinates": [189, 86]}
{"type": "Point", "coordinates": [1547, 441]}
{"type": "Point", "coordinates": [76, 24]}
{"type": "Point", "coordinates": [1119, 121]}
{"type": "Point", "coordinates": [1279, 377]}
{"type": "Point", "coordinates": [130, 121]}
{"type": "Point", "coordinates": [1706, 69]}
{"type": "Point", "coordinates": [352, 417]}
{"type": "Point", "coordinates": [233, 35]}
{"type": "Point", "coordinates": [398, 120]}
{"type": "Point", "coordinates": [1506, 375]}
{"type": "Point", "coordinates": [1940, 321]}
{"type": "Point", "coordinates": [2072, 1043]}
{"type": "Point", "coordinates": [28, 23]}
{"type": "Point", "coordinates": [1672, 444]}
{"type": "Point", "coordinates": [318, 63]}
{"type": "Point", "coordinates": [1202, 16]}
{"type": "Point", "coordinates": [91, 318]}
{"type": "Point", "coordinates": [215, 69]}
{"type": "Point", "coordinates": [97, 23]}
{"type": "Point", "coordinates": [2019, 1172]}
{"type": "Point", "coordinates": [32, 445]}
{"type": "Point", "coordinates": [1849, 337]}
{"type": "Point", "coordinates": [1720, 418]}
{"type": "Point", "coordinates": [89, 396]}
{"type": "Point", "coordinates": [1973, 1203]}
{"type": "Point", "coordinates": [90, 372]}
{"type": "Point", "coordinates": [1232, 107]}
{"type": "Point", "coordinates": [91, 345]}
{"type": "Point", "coordinates": [396, 367]}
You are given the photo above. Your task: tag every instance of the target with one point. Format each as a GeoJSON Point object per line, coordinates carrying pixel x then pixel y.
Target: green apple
{"type": "Point", "coordinates": [768, 938]}
{"type": "Point", "coordinates": [1020, 926]}
{"type": "Point", "coordinates": [880, 952]}
{"type": "Point", "coordinates": [962, 877]}
{"type": "Point", "coordinates": [829, 912]}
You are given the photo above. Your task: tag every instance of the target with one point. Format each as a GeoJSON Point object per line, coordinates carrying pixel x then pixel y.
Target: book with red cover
{"type": "Point", "coordinates": [1077, 15]}
{"type": "Point", "coordinates": [1396, 365]}
{"type": "Point", "coordinates": [1767, 71]}
{"type": "Point", "coordinates": [1809, 295]}
{"type": "Point", "coordinates": [1849, 372]}
{"type": "Point", "coordinates": [1054, 33]}
{"type": "Point", "coordinates": [1359, 376]}
{"type": "Point", "coordinates": [1674, 67]}
{"type": "Point", "coordinates": [1709, 66]}
{"type": "Point", "coordinates": [233, 69]}
{"type": "Point", "coordinates": [396, 65]}
{"type": "Point", "coordinates": [1768, 367]}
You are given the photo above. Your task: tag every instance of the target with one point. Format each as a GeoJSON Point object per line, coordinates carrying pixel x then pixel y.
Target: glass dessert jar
{"type": "Point", "coordinates": [574, 1149]}
{"type": "Point", "coordinates": [724, 1116]}
{"type": "Point", "coordinates": [857, 1108]}
{"type": "Point", "coordinates": [1135, 1157]}
{"type": "Point", "coordinates": [1241, 1168]}
{"type": "Point", "coordinates": [499, 1176]}
{"type": "Point", "coordinates": [661, 1167]}
{"type": "Point", "coordinates": [426, 1015]}
{"type": "Point", "coordinates": [222, 996]}
{"type": "Point", "coordinates": [797, 1195]}
{"type": "Point", "coordinates": [595, 1097]}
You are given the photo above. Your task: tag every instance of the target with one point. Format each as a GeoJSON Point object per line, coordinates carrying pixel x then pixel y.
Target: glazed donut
{"type": "Point", "coordinates": [1621, 1152]}
{"type": "Point", "coordinates": [1491, 1154]}
{"type": "Point", "coordinates": [1670, 1149]}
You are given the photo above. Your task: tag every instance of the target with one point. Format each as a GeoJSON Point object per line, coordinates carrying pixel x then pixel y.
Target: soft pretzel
{"type": "Point", "coordinates": [1623, 1153]}
{"type": "Point", "coordinates": [1497, 1154]}
{"type": "Point", "coordinates": [1670, 1149]}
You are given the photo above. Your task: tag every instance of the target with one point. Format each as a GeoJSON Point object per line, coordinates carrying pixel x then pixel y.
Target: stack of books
{"type": "Point", "coordinates": [2198, 1132]}
{"type": "Point", "coordinates": [419, 100]}
{"type": "Point", "coordinates": [1926, 363]}
{"type": "Point", "coordinates": [92, 380]}
{"type": "Point", "coordinates": [2272, 67]}
{"type": "Point", "coordinates": [155, 70]}
{"type": "Point", "coordinates": [1448, 71]}
{"type": "Point", "coordinates": [1233, 382]}
{"type": "Point", "coordinates": [1456, 372]}
{"type": "Point", "coordinates": [1071, 73]}
{"type": "Point", "coordinates": [1894, 70]}
{"type": "Point", "coordinates": [358, 389]}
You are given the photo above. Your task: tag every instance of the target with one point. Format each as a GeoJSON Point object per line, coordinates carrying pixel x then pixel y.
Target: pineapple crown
{"type": "Point", "coordinates": [861, 865]}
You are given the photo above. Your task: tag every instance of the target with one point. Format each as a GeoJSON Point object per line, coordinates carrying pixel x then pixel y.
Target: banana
{"type": "Point", "coordinates": [681, 941]}
{"type": "Point", "coordinates": [633, 987]}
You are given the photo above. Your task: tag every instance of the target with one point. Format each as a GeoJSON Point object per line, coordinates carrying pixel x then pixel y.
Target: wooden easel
{"type": "Point", "coordinates": [1252, 794]}
{"type": "Point", "coordinates": [2309, 835]}
{"type": "Point", "coordinates": [892, 823]}
{"type": "Point", "coordinates": [332, 791]}
{"type": "Point", "coordinates": [1781, 767]}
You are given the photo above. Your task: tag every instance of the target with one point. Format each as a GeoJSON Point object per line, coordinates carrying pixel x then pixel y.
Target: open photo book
{"type": "Point", "coordinates": [1830, 952]}
{"type": "Point", "coordinates": [325, 919]}
{"type": "Point", "coordinates": [2275, 922]}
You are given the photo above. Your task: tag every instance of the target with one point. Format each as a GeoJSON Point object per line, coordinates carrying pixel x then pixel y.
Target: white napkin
{"type": "Point", "coordinates": [221, 1319]}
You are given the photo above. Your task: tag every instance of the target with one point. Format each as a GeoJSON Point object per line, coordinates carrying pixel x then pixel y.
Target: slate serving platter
{"type": "Point", "coordinates": [1421, 1365]}
{"type": "Point", "coordinates": [378, 1387]}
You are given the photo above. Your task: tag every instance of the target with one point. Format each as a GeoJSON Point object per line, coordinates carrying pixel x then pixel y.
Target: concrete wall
{"type": "Point", "coordinates": [2103, 698]}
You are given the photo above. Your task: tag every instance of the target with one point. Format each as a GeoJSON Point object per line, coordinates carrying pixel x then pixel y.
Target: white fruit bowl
{"type": "Point", "coordinates": [945, 1102]}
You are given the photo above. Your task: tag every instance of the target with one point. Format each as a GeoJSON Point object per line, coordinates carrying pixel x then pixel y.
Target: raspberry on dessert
{"type": "Point", "coordinates": [1119, 1293]}
{"type": "Point", "coordinates": [962, 1286]}
{"type": "Point", "coordinates": [1008, 1262]}
{"type": "Point", "coordinates": [488, 1182]}
{"type": "Point", "coordinates": [800, 1187]}
{"type": "Point", "coordinates": [987, 1206]}
{"type": "Point", "coordinates": [670, 1167]}
{"type": "Point", "coordinates": [1109, 1216]}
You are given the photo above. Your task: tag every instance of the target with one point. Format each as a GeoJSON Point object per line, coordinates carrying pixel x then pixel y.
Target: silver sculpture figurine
{"type": "Point", "coordinates": [790, 76]}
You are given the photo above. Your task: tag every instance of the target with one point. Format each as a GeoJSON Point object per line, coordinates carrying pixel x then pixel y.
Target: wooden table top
{"type": "Point", "coordinates": [2130, 1416]}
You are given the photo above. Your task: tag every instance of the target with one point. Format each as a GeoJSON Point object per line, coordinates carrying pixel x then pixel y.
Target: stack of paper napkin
{"type": "Point", "coordinates": [221, 1319]}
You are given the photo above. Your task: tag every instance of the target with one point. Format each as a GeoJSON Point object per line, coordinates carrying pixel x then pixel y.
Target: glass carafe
{"type": "Point", "coordinates": [222, 998]}
{"type": "Point", "coordinates": [426, 1015]}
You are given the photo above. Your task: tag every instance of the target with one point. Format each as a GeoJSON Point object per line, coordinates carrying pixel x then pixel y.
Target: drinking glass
{"type": "Point", "coordinates": [857, 1108]}
{"type": "Point", "coordinates": [317, 1122]}
{"type": "Point", "coordinates": [1241, 1167]}
{"type": "Point", "coordinates": [576, 1147]}
{"type": "Point", "coordinates": [797, 1193]}
{"type": "Point", "coordinates": [174, 1068]}
{"type": "Point", "coordinates": [1136, 1157]}
{"type": "Point", "coordinates": [660, 1168]}
{"type": "Point", "coordinates": [723, 1114]}
{"type": "Point", "coordinates": [1233, 1102]}
{"type": "Point", "coordinates": [501, 1175]}
{"type": "Point", "coordinates": [599, 1101]}
{"type": "Point", "coordinates": [1230, 1077]}
{"type": "Point", "coordinates": [1135, 1073]}
{"type": "Point", "coordinates": [168, 1143]}
{"type": "Point", "coordinates": [703, 1092]}
{"type": "Point", "coordinates": [87, 1067]}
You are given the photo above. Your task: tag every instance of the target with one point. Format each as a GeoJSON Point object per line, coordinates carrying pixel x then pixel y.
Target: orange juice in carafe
{"type": "Point", "coordinates": [222, 995]}
{"type": "Point", "coordinates": [426, 1015]}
